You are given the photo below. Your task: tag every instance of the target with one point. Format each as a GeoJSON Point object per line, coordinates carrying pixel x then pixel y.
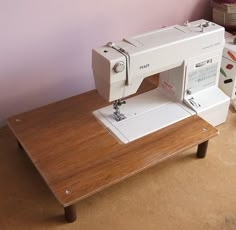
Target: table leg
{"type": "Point", "coordinates": [19, 144]}
{"type": "Point", "coordinates": [70, 213]}
{"type": "Point", "coordinates": [202, 149]}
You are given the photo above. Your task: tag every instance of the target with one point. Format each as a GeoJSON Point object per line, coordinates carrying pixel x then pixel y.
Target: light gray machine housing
{"type": "Point", "coordinates": [188, 58]}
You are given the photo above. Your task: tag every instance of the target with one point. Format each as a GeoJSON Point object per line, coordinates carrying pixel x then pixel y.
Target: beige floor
{"type": "Point", "coordinates": [181, 193]}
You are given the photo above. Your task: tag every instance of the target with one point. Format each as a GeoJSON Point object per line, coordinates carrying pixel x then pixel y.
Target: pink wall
{"type": "Point", "coordinates": [45, 46]}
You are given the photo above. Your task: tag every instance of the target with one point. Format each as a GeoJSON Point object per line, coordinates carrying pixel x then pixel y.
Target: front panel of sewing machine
{"type": "Point", "coordinates": [202, 73]}
{"type": "Point", "coordinates": [201, 88]}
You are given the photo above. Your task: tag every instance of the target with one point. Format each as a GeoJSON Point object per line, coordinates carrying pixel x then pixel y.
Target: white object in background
{"type": "Point", "coordinates": [227, 80]}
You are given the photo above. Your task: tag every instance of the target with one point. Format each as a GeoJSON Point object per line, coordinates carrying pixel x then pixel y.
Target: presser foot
{"type": "Point", "coordinates": [117, 115]}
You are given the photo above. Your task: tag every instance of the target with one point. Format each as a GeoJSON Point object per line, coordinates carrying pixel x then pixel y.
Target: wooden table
{"type": "Point", "coordinates": [77, 156]}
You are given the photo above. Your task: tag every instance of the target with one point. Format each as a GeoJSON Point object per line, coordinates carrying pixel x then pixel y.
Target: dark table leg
{"type": "Point", "coordinates": [19, 144]}
{"type": "Point", "coordinates": [202, 149]}
{"type": "Point", "coordinates": [70, 213]}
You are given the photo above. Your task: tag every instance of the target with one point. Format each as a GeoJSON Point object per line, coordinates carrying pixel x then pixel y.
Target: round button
{"type": "Point", "coordinates": [119, 67]}
{"type": "Point", "coordinates": [188, 91]}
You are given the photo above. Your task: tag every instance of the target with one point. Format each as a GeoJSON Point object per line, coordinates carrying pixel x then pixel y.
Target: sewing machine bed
{"type": "Point", "coordinates": [77, 156]}
{"type": "Point", "coordinates": [140, 112]}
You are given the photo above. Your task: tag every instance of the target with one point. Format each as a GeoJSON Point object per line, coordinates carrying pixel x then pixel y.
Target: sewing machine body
{"type": "Point", "coordinates": [188, 58]}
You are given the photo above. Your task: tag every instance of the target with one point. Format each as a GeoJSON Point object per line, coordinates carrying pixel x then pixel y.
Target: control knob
{"type": "Point", "coordinates": [119, 67]}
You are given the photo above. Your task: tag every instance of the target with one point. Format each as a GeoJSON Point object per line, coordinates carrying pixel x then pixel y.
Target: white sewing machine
{"type": "Point", "coordinates": [188, 58]}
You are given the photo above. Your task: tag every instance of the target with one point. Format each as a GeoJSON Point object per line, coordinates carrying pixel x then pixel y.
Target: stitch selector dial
{"type": "Point", "coordinates": [119, 67]}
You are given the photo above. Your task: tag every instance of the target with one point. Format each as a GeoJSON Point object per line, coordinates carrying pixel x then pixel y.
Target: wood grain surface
{"type": "Point", "coordinates": [78, 157]}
